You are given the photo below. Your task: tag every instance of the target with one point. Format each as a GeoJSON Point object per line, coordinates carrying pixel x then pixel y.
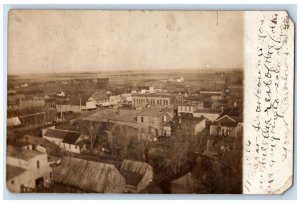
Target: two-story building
{"type": "Point", "coordinates": [156, 118]}
{"type": "Point", "coordinates": [27, 170]}
{"type": "Point", "coordinates": [189, 107]}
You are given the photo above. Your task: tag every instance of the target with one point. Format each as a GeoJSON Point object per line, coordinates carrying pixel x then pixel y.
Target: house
{"type": "Point", "coordinates": [227, 126]}
{"type": "Point", "coordinates": [138, 175]}
{"type": "Point", "coordinates": [65, 139]}
{"type": "Point", "coordinates": [156, 118]}
{"type": "Point", "coordinates": [27, 170]}
{"type": "Point", "coordinates": [79, 175]}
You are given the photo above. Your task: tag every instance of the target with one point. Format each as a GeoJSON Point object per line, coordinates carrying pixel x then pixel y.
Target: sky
{"type": "Point", "coordinates": [54, 41]}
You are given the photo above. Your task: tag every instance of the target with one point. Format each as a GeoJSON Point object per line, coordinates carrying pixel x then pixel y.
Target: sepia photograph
{"type": "Point", "coordinates": [128, 101]}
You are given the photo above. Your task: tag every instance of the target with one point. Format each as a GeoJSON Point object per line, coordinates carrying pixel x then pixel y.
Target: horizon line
{"type": "Point", "coordinates": [128, 70]}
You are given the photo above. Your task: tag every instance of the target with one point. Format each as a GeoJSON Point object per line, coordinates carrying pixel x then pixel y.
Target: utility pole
{"type": "Point", "coordinates": [80, 102]}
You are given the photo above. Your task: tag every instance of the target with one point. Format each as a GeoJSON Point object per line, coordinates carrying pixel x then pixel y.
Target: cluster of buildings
{"type": "Point", "coordinates": [152, 115]}
{"type": "Point", "coordinates": [31, 167]}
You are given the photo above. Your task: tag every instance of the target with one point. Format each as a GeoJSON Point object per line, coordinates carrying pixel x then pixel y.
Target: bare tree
{"type": "Point", "coordinates": [91, 129]}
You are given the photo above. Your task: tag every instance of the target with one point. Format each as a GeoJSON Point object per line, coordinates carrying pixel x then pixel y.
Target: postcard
{"type": "Point", "coordinates": [150, 102]}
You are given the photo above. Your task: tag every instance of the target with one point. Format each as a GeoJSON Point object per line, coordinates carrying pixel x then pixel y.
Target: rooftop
{"type": "Point", "coordinates": [127, 115]}
{"type": "Point", "coordinates": [69, 137]}
{"type": "Point", "coordinates": [133, 171]}
{"type": "Point", "coordinates": [208, 110]}
{"type": "Point", "coordinates": [155, 111]}
{"type": "Point", "coordinates": [89, 176]}
{"type": "Point", "coordinates": [13, 171]}
{"type": "Point", "coordinates": [234, 113]}
{"type": "Point", "coordinates": [21, 153]}
{"type": "Point", "coordinates": [154, 95]}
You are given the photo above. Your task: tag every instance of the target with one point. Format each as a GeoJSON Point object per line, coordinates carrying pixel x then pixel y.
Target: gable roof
{"type": "Point", "coordinates": [89, 176]}
{"type": "Point", "coordinates": [226, 118]}
{"type": "Point", "coordinates": [69, 137]}
{"type": "Point", "coordinates": [234, 113]}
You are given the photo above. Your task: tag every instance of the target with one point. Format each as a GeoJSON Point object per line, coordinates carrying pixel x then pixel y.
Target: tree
{"type": "Point", "coordinates": [121, 137]}
{"type": "Point", "coordinates": [91, 129]}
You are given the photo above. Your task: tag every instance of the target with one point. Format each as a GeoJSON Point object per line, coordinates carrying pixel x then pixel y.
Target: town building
{"type": "Point", "coordinates": [65, 139]}
{"type": "Point", "coordinates": [189, 107]}
{"type": "Point", "coordinates": [124, 117]}
{"type": "Point", "coordinates": [28, 170]}
{"type": "Point", "coordinates": [152, 99]}
{"type": "Point", "coordinates": [156, 118]}
{"type": "Point", "coordinates": [227, 126]}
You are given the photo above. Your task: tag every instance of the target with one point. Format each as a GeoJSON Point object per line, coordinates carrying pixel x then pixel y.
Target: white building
{"type": "Point", "coordinates": [207, 113]}
{"type": "Point", "coordinates": [65, 139]}
{"type": "Point", "coordinates": [27, 170]}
